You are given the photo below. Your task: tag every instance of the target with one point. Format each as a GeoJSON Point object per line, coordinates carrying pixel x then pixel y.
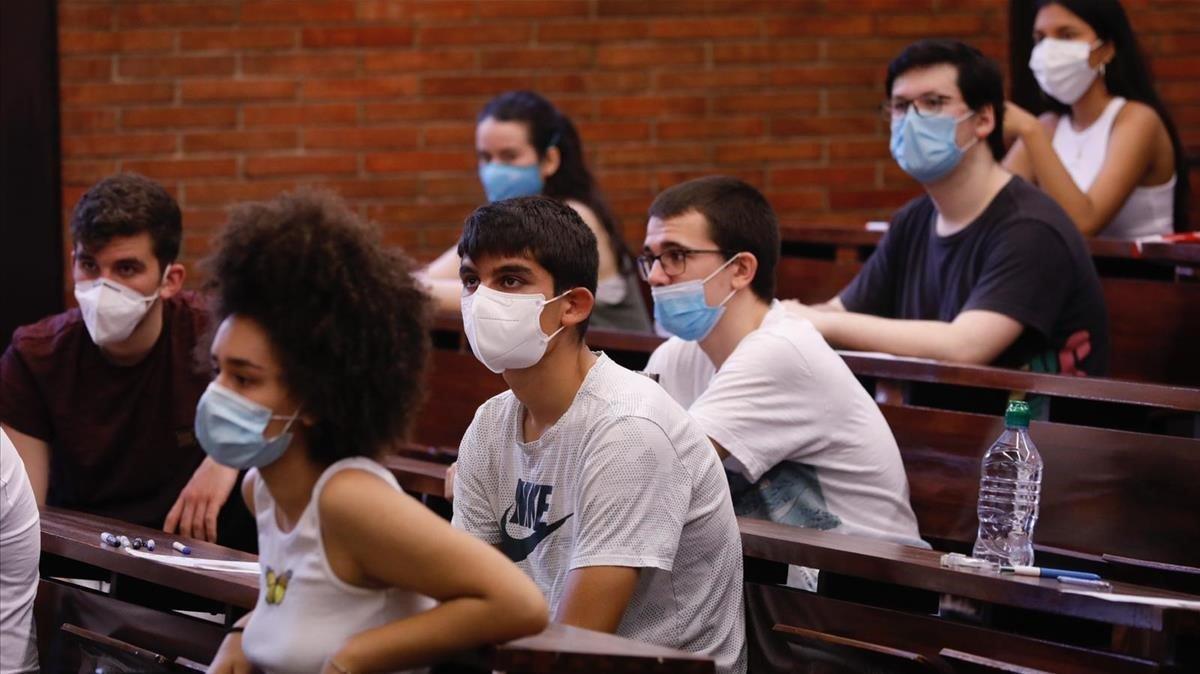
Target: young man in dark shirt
{"type": "Point", "coordinates": [100, 400]}
{"type": "Point", "coordinates": [983, 268]}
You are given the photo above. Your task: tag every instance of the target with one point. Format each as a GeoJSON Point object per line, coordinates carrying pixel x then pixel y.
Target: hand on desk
{"type": "Point", "coordinates": [231, 659]}
{"type": "Point", "coordinates": [195, 511]}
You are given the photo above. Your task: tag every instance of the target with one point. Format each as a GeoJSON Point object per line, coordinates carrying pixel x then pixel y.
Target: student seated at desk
{"type": "Point", "coordinates": [585, 474]}
{"type": "Point", "coordinates": [99, 400]}
{"type": "Point", "coordinates": [20, 549]}
{"type": "Point", "coordinates": [321, 344]}
{"type": "Point", "coordinates": [527, 147]}
{"type": "Point", "coordinates": [805, 443]}
{"type": "Point", "coordinates": [984, 268]}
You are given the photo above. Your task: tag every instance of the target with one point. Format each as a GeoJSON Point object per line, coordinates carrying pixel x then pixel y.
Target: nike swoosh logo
{"type": "Point", "coordinates": [517, 549]}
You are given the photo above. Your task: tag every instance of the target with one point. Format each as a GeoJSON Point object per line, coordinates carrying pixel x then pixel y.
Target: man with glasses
{"type": "Point", "coordinates": [802, 441]}
{"type": "Point", "coordinates": [983, 268]}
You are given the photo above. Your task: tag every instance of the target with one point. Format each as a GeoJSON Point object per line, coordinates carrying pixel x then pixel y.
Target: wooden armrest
{"type": "Point", "coordinates": [908, 660]}
{"type": "Point", "coordinates": [969, 663]}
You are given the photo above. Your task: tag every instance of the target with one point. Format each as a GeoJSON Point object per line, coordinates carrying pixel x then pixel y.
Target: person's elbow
{"type": "Point", "coordinates": [525, 611]}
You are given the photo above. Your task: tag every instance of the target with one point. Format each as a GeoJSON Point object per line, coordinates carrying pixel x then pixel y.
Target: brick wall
{"type": "Point", "coordinates": [225, 101]}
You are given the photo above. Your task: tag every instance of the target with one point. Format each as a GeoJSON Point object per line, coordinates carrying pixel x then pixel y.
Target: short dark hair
{"type": "Point", "coordinates": [345, 316]}
{"type": "Point", "coordinates": [541, 228]}
{"type": "Point", "coordinates": [740, 219]}
{"type": "Point", "coordinates": [127, 204]}
{"type": "Point", "coordinates": [979, 78]}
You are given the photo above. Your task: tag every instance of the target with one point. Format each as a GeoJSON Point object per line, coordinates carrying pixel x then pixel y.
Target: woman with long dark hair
{"type": "Point", "coordinates": [527, 147]}
{"type": "Point", "coordinates": [1107, 150]}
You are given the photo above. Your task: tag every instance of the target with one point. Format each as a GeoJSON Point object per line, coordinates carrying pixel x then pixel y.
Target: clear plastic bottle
{"type": "Point", "coordinates": [1009, 487]}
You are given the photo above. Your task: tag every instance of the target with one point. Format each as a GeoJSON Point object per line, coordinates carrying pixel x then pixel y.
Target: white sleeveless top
{"type": "Point", "coordinates": [305, 612]}
{"type": "Point", "coordinates": [1147, 210]}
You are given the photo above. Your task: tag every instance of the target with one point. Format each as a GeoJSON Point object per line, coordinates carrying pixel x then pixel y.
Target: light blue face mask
{"type": "Point", "coordinates": [925, 147]}
{"type": "Point", "coordinates": [229, 427]}
{"type": "Point", "coordinates": [682, 310]}
{"type": "Point", "coordinates": [504, 181]}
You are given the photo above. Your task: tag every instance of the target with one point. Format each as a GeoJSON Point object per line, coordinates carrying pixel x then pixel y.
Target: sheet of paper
{"type": "Point", "coordinates": [1165, 602]}
{"type": "Point", "coordinates": [225, 565]}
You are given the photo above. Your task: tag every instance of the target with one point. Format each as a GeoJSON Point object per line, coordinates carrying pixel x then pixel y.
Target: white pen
{"type": "Point", "coordinates": [1086, 582]}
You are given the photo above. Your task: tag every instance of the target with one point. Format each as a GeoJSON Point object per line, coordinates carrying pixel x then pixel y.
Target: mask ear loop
{"type": "Point", "coordinates": [290, 420]}
{"type": "Point", "coordinates": [718, 271]}
{"type": "Point", "coordinates": [543, 307]}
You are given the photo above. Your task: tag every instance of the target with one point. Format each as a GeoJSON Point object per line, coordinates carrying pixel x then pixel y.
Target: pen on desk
{"type": "Point", "coordinates": [1047, 572]}
{"type": "Point", "coordinates": [181, 547]}
{"type": "Point", "coordinates": [1087, 582]}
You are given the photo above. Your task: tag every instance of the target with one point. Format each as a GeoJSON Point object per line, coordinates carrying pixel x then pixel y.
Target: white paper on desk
{"type": "Point", "coordinates": [228, 566]}
{"type": "Point", "coordinates": [1165, 602]}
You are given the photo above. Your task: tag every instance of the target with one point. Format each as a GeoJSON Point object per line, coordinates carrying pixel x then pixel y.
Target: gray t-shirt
{"type": "Point", "coordinates": [624, 478]}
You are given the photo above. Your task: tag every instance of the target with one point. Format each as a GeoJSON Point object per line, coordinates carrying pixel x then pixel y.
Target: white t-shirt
{"type": "Point", "coordinates": [20, 550]}
{"type": "Point", "coordinates": [808, 446]}
{"type": "Point", "coordinates": [305, 613]}
{"type": "Point", "coordinates": [623, 478]}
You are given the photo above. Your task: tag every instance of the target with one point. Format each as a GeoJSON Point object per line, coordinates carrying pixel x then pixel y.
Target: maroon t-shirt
{"type": "Point", "coordinates": [121, 438]}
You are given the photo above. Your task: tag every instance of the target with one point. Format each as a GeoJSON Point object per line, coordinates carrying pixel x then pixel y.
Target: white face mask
{"type": "Point", "coordinates": [1061, 68]}
{"type": "Point", "coordinates": [504, 329]}
{"type": "Point", "coordinates": [110, 310]}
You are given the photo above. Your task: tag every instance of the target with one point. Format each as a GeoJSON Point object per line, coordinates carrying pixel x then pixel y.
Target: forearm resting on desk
{"type": "Point", "coordinates": [977, 337]}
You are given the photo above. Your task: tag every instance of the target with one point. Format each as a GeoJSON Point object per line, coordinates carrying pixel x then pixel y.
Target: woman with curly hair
{"type": "Point", "coordinates": [318, 355]}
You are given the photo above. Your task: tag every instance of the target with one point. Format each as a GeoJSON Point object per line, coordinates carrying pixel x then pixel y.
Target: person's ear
{"type": "Point", "coordinates": [551, 162]}
{"type": "Point", "coordinates": [577, 306]}
{"type": "Point", "coordinates": [173, 280]}
{"type": "Point", "coordinates": [985, 122]}
{"type": "Point", "coordinates": [1104, 54]}
{"type": "Point", "coordinates": [745, 267]}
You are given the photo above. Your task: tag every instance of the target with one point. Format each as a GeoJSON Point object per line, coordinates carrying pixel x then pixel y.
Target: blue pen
{"type": "Point", "coordinates": [1047, 572]}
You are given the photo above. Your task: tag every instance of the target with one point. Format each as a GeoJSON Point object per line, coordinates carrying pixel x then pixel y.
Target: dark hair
{"type": "Point", "coordinates": [128, 204]}
{"type": "Point", "coordinates": [979, 78]}
{"type": "Point", "coordinates": [739, 219]}
{"type": "Point", "coordinates": [550, 128]}
{"type": "Point", "coordinates": [1128, 76]}
{"type": "Point", "coordinates": [541, 228]}
{"type": "Point", "coordinates": [345, 316]}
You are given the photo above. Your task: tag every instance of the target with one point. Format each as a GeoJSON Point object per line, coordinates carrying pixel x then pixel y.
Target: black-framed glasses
{"type": "Point", "coordinates": [673, 261]}
{"type": "Point", "coordinates": [926, 106]}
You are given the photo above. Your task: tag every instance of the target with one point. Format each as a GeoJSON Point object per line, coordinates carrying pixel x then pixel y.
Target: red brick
{"type": "Point", "coordinates": [641, 154]}
{"type": "Point", "coordinates": [365, 139]}
{"type": "Point", "coordinates": [767, 52]}
{"type": "Point", "coordinates": [851, 6]}
{"type": "Point", "coordinates": [855, 100]}
{"type": "Point", "coordinates": [859, 149]}
{"type": "Point", "coordinates": [376, 188]}
{"type": "Point", "coordinates": [110, 145]}
{"type": "Point", "coordinates": [691, 29]}
{"type": "Point", "coordinates": [1178, 68]}
{"type": "Point", "coordinates": [281, 165]}
{"type": "Point", "coordinates": [89, 94]}
{"type": "Point", "coordinates": [71, 15]}
{"type": "Point", "coordinates": [607, 82]}
{"type": "Point", "coordinates": [177, 118]}
{"type": "Point", "coordinates": [83, 121]}
{"type": "Point", "coordinates": [361, 36]}
{"type": "Point", "coordinates": [483, 34]}
{"type": "Point", "coordinates": [715, 80]}
{"type": "Point", "coordinates": [238, 90]}
{"type": "Point", "coordinates": [460, 136]}
{"type": "Point", "coordinates": [797, 200]}
{"type": "Point", "coordinates": [421, 110]}
{"type": "Point", "coordinates": [926, 25]}
{"type": "Point", "coordinates": [455, 185]}
{"type": "Point", "coordinates": [532, 9]}
{"type": "Point", "coordinates": [760, 151]}
{"type": "Point", "coordinates": [85, 69]}
{"type": "Point", "coordinates": [823, 175]}
{"type": "Point", "coordinates": [164, 169]}
{"type": "Point", "coordinates": [357, 89]}
{"type": "Point", "coordinates": [729, 127]}
{"type": "Point", "coordinates": [841, 125]}
{"type": "Point", "coordinates": [744, 103]}
{"type": "Point", "coordinates": [463, 85]}
{"type": "Point", "coordinates": [624, 56]}
{"type": "Point", "coordinates": [635, 181]}
{"type": "Point", "coordinates": [230, 39]}
{"type": "Point", "coordinates": [300, 64]}
{"type": "Point", "coordinates": [558, 58]}
{"type": "Point", "coordinates": [170, 67]}
{"type": "Point", "coordinates": [196, 220]}
{"type": "Point", "coordinates": [788, 7]}
{"type": "Point", "coordinates": [81, 42]}
{"type": "Point", "coordinates": [86, 172]}
{"type": "Point", "coordinates": [291, 11]}
{"type": "Point", "coordinates": [400, 162]}
{"type": "Point", "coordinates": [607, 131]}
{"type": "Point", "coordinates": [863, 199]}
{"type": "Point", "coordinates": [174, 14]}
{"type": "Point", "coordinates": [827, 75]}
{"type": "Point", "coordinates": [382, 10]}
{"type": "Point", "coordinates": [652, 106]}
{"type": "Point", "coordinates": [235, 141]}
{"type": "Point", "coordinates": [224, 193]}
{"type": "Point", "coordinates": [876, 51]}
{"type": "Point", "coordinates": [442, 10]}
{"type": "Point", "coordinates": [419, 60]}
{"type": "Point", "coordinates": [299, 115]}
{"type": "Point", "coordinates": [825, 26]}
{"type": "Point", "coordinates": [423, 214]}
{"type": "Point", "coordinates": [592, 31]}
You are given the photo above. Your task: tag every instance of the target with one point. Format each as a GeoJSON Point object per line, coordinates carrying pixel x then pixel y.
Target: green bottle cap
{"type": "Point", "coordinates": [1017, 414]}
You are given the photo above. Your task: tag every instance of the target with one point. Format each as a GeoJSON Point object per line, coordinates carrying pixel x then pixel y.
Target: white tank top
{"type": "Point", "coordinates": [1147, 210]}
{"type": "Point", "coordinates": [305, 612]}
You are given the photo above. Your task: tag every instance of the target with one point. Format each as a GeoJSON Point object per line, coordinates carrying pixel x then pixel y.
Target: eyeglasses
{"type": "Point", "coordinates": [673, 261]}
{"type": "Point", "coordinates": [926, 106]}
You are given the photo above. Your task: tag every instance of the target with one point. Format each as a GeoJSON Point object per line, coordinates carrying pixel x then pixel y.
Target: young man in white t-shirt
{"type": "Point", "coordinates": [587, 475]}
{"type": "Point", "coordinates": [804, 442]}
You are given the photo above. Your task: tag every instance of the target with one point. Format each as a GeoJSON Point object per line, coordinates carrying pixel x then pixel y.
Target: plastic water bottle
{"type": "Point", "coordinates": [1009, 486]}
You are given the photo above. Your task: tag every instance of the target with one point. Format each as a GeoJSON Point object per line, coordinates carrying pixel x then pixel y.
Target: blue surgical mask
{"type": "Point", "coordinates": [504, 181]}
{"type": "Point", "coordinates": [925, 147]}
{"type": "Point", "coordinates": [229, 427]}
{"type": "Point", "coordinates": [682, 310]}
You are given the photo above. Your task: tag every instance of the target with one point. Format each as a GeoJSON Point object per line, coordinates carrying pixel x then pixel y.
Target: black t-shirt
{"type": "Point", "coordinates": [1022, 257]}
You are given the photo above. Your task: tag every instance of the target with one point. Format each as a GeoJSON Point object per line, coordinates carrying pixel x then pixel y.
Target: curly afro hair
{"type": "Point", "coordinates": [346, 318]}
